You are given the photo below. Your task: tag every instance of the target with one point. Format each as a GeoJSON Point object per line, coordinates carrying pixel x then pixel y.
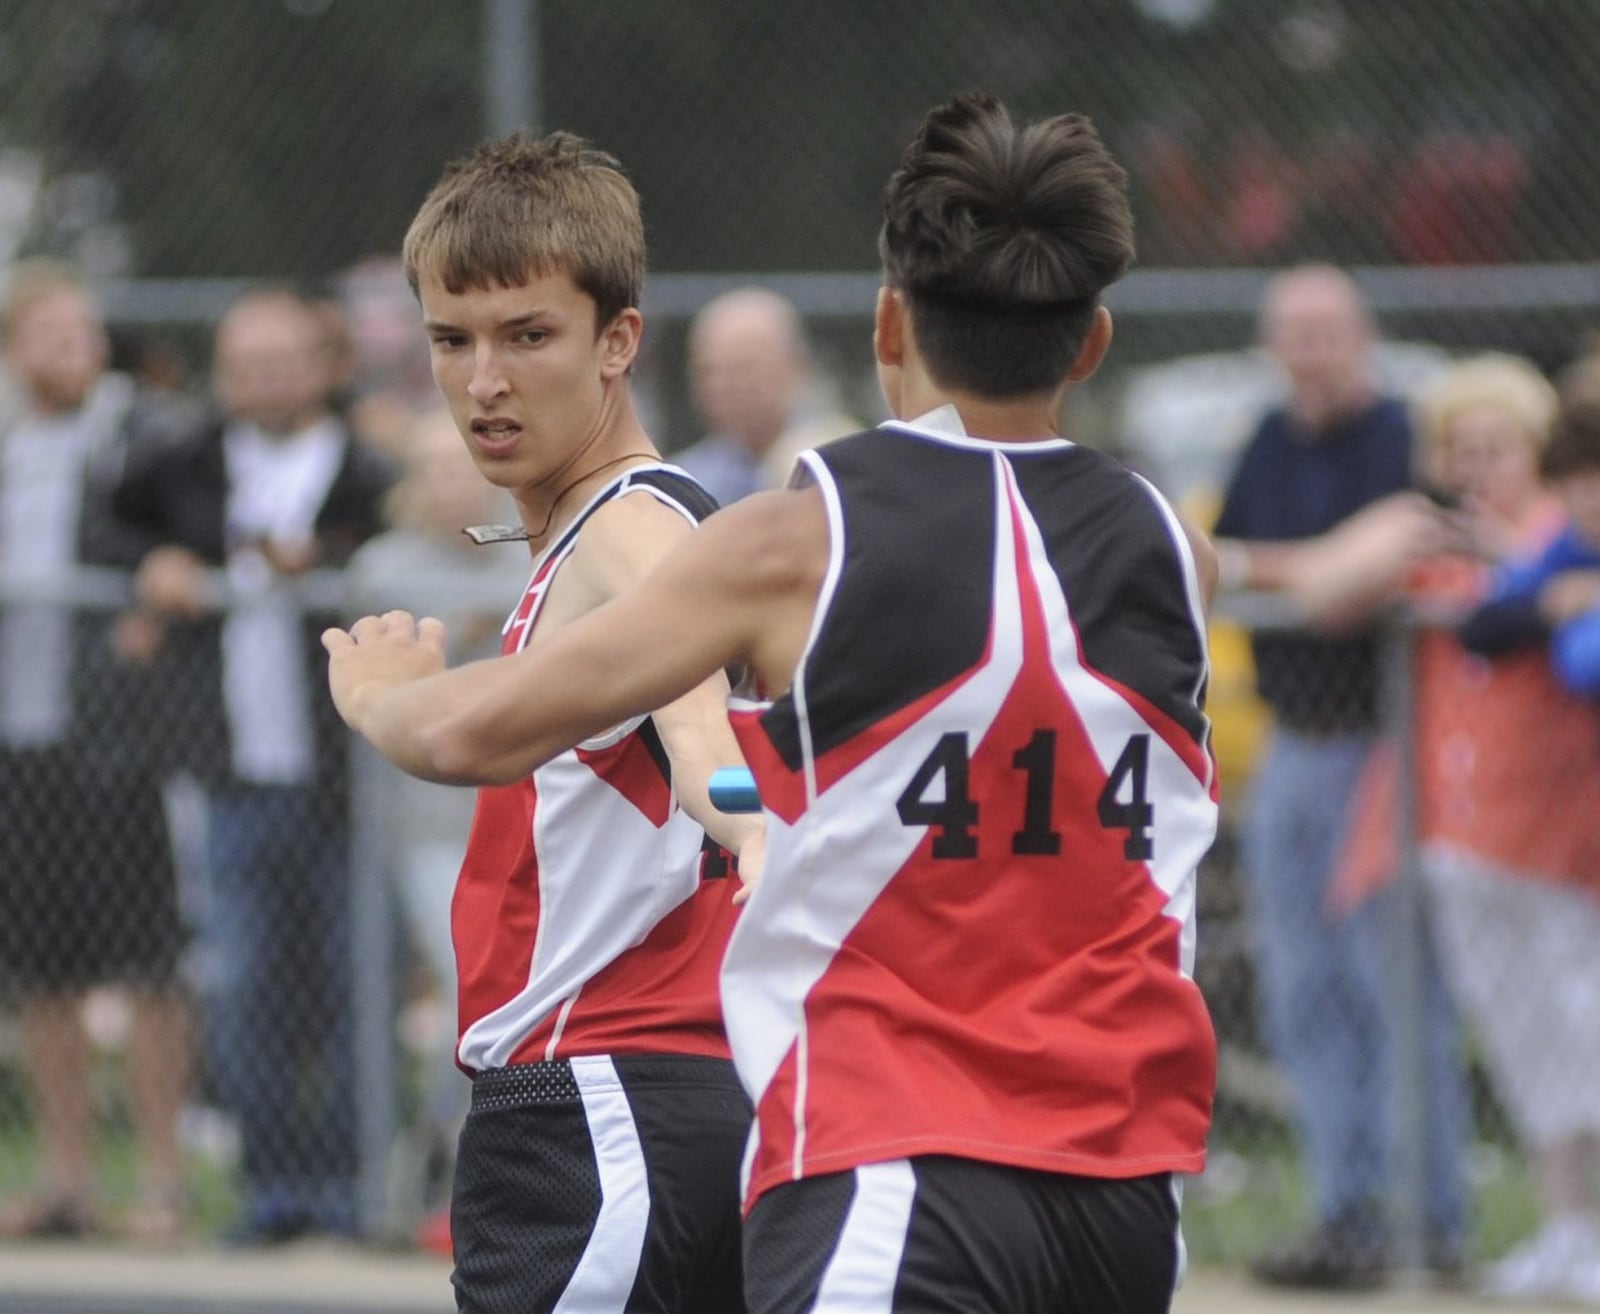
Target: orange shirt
{"type": "Point", "coordinates": [1507, 759]}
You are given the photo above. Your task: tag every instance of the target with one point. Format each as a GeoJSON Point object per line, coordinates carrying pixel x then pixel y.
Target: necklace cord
{"type": "Point", "coordinates": [587, 474]}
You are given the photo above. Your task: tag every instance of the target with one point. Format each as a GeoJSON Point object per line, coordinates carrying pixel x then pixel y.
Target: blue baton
{"type": "Point", "coordinates": [733, 789]}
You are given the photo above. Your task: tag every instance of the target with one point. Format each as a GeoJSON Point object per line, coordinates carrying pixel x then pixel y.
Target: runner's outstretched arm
{"type": "Point", "coordinates": [739, 590]}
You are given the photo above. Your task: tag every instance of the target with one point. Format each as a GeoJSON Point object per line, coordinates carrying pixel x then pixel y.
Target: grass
{"type": "Point", "coordinates": [211, 1193]}
{"type": "Point", "coordinates": [1254, 1194]}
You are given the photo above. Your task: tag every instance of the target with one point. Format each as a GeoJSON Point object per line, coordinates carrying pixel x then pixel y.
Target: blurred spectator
{"type": "Point", "coordinates": [1507, 771]}
{"type": "Point", "coordinates": [338, 350]}
{"type": "Point", "coordinates": [389, 383]}
{"type": "Point", "coordinates": [1556, 595]}
{"type": "Point", "coordinates": [425, 563]}
{"type": "Point", "coordinates": [273, 485]}
{"type": "Point", "coordinates": [1579, 381]}
{"type": "Point", "coordinates": [755, 386]}
{"type": "Point", "coordinates": [87, 885]}
{"type": "Point", "coordinates": [158, 366]}
{"type": "Point", "coordinates": [1317, 508]}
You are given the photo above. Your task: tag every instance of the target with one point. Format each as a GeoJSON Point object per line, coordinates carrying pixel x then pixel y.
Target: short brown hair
{"type": "Point", "coordinates": [1002, 237]}
{"type": "Point", "coordinates": [1574, 446]}
{"type": "Point", "coordinates": [526, 206]}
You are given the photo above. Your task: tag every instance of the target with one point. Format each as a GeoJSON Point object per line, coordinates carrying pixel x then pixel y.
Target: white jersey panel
{"type": "Point", "coordinates": [801, 911]}
{"type": "Point", "coordinates": [611, 878]}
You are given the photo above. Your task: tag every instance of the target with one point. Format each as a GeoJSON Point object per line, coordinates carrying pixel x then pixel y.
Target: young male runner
{"type": "Point", "coordinates": [960, 993]}
{"type": "Point", "coordinates": [598, 1166]}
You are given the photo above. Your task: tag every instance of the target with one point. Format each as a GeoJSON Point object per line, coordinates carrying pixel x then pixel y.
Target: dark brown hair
{"type": "Point", "coordinates": [524, 207]}
{"type": "Point", "coordinates": [1002, 237]}
{"type": "Point", "coordinates": [1574, 446]}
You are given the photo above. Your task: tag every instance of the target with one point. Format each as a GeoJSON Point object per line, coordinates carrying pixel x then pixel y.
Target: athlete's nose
{"type": "Point", "coordinates": [488, 380]}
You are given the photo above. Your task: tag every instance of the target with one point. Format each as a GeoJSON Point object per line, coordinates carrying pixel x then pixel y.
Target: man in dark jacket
{"type": "Point", "coordinates": [271, 487]}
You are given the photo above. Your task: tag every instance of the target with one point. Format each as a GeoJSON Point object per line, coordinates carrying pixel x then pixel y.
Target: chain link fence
{"type": "Point", "coordinates": [177, 150]}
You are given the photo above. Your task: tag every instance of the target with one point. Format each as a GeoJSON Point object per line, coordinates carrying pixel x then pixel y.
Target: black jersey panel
{"type": "Point", "coordinates": [912, 605]}
{"type": "Point", "coordinates": [650, 737]}
{"type": "Point", "coordinates": [680, 487]}
{"type": "Point", "coordinates": [1113, 553]}
{"type": "Point", "coordinates": [676, 484]}
{"type": "Point", "coordinates": [694, 499]}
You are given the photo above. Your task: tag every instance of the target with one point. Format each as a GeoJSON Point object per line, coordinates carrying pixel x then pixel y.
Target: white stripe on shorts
{"type": "Point", "coordinates": [1182, 1271]}
{"type": "Point", "coordinates": [604, 1276]}
{"type": "Point", "coordinates": [861, 1276]}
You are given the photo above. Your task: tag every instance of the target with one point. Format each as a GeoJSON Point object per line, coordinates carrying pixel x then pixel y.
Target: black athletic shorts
{"type": "Point", "coordinates": [934, 1234]}
{"type": "Point", "coordinates": [608, 1184]}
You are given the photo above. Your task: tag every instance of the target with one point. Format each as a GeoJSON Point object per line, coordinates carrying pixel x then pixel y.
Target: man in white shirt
{"type": "Point", "coordinates": [275, 484]}
{"type": "Point", "coordinates": [87, 890]}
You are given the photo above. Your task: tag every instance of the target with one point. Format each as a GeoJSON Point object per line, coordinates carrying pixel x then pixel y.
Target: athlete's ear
{"type": "Point", "coordinates": [889, 346]}
{"type": "Point", "coordinates": [1095, 344]}
{"type": "Point", "coordinates": [619, 343]}
{"type": "Point", "coordinates": [888, 343]}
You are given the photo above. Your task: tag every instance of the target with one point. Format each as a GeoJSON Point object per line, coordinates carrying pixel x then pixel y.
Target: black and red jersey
{"type": "Point", "coordinates": [987, 792]}
{"type": "Point", "coordinates": [584, 920]}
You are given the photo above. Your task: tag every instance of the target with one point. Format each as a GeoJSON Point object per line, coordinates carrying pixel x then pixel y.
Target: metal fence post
{"type": "Point", "coordinates": [1406, 963]}
{"type": "Point", "coordinates": [511, 66]}
{"type": "Point", "coordinates": [372, 943]}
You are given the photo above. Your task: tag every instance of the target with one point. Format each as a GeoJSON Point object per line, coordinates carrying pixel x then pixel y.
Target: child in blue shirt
{"type": "Point", "coordinates": [1554, 597]}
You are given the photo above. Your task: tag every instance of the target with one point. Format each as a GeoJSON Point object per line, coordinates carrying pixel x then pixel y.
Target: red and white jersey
{"type": "Point", "coordinates": [987, 792]}
{"type": "Point", "coordinates": [587, 917]}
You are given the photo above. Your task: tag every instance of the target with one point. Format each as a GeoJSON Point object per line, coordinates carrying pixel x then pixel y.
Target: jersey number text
{"type": "Point", "coordinates": [1123, 804]}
